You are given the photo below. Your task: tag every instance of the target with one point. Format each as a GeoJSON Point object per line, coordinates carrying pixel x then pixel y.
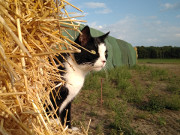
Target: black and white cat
{"type": "Point", "coordinates": [83, 63]}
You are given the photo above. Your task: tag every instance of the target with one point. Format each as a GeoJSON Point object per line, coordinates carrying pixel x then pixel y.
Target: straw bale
{"type": "Point", "coordinates": [30, 38]}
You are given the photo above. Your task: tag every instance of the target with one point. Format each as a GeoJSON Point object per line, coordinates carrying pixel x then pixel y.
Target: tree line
{"type": "Point", "coordinates": [158, 52]}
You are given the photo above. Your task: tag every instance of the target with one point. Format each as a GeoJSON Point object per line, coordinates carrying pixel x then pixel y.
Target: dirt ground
{"type": "Point", "coordinates": [174, 68]}
{"type": "Point", "coordinates": [170, 124]}
{"type": "Point", "coordinates": [162, 123]}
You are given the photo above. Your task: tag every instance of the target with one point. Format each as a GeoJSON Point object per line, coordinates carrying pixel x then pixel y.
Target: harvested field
{"type": "Point", "coordinates": [145, 100]}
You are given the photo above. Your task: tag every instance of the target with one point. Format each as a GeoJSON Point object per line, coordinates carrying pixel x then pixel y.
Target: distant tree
{"type": "Point", "coordinates": [152, 51]}
{"type": "Point", "coordinates": [158, 52]}
{"type": "Point", "coordinates": [142, 52]}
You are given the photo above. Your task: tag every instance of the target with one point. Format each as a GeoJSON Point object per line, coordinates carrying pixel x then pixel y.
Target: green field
{"type": "Point", "coordinates": [159, 61]}
{"type": "Point", "coordinates": [136, 100]}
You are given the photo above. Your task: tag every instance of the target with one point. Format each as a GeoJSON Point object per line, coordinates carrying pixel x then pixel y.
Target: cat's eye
{"type": "Point", "coordinates": [93, 52]}
{"type": "Point", "coordinates": [106, 52]}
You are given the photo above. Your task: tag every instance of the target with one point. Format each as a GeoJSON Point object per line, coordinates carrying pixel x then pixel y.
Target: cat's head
{"type": "Point", "coordinates": [96, 45]}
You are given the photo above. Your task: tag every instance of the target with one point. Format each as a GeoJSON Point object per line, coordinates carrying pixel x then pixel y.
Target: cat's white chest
{"type": "Point", "coordinates": [74, 77]}
{"type": "Point", "coordinates": [74, 81]}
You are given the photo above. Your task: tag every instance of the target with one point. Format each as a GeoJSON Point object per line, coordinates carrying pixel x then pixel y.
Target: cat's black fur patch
{"type": "Point", "coordinates": [90, 43]}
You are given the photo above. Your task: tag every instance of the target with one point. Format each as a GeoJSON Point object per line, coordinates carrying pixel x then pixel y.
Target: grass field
{"type": "Point", "coordinates": [159, 61]}
{"type": "Point", "coordinates": [139, 100]}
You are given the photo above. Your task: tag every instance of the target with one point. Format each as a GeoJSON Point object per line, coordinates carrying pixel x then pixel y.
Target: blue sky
{"type": "Point", "coordinates": [139, 22]}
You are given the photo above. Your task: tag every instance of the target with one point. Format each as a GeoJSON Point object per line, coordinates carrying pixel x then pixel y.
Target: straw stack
{"type": "Point", "coordinates": [30, 38]}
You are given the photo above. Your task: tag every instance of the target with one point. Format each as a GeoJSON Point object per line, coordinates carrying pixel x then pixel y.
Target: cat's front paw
{"type": "Point", "coordinates": [74, 128]}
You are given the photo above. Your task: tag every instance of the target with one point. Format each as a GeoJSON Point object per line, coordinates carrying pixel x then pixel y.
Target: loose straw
{"type": "Point", "coordinates": [2, 21]}
{"type": "Point", "coordinates": [42, 119]}
{"type": "Point", "coordinates": [30, 39]}
{"type": "Point", "coordinates": [13, 93]}
{"type": "Point", "coordinates": [22, 59]}
{"type": "Point", "coordinates": [3, 107]}
{"type": "Point", "coordinates": [73, 6]}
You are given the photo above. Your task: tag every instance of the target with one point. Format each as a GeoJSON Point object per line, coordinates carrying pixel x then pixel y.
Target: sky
{"type": "Point", "coordinates": [139, 22]}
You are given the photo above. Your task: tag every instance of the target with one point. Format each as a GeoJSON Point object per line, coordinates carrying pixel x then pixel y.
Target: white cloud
{"type": "Point", "coordinates": [152, 17]}
{"type": "Point", "coordinates": [143, 31]}
{"type": "Point", "coordinates": [177, 35]}
{"type": "Point", "coordinates": [100, 7]}
{"type": "Point", "coordinates": [123, 29]}
{"type": "Point", "coordinates": [152, 40]}
{"type": "Point", "coordinates": [178, 16]}
{"type": "Point", "coordinates": [169, 6]}
{"type": "Point", "coordinates": [95, 5]}
{"type": "Point", "coordinates": [158, 22]}
{"type": "Point", "coordinates": [104, 11]}
{"type": "Point", "coordinates": [95, 26]}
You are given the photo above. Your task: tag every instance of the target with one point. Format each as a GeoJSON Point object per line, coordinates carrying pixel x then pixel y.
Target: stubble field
{"type": "Point", "coordinates": [144, 99]}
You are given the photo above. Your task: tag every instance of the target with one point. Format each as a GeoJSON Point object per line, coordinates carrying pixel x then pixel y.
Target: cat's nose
{"type": "Point", "coordinates": [104, 61]}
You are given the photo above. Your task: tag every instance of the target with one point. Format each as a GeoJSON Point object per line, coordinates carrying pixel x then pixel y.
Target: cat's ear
{"type": "Point", "coordinates": [85, 36]}
{"type": "Point", "coordinates": [103, 37]}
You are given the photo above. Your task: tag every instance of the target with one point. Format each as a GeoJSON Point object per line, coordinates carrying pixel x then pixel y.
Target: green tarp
{"type": "Point", "coordinates": [120, 53]}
